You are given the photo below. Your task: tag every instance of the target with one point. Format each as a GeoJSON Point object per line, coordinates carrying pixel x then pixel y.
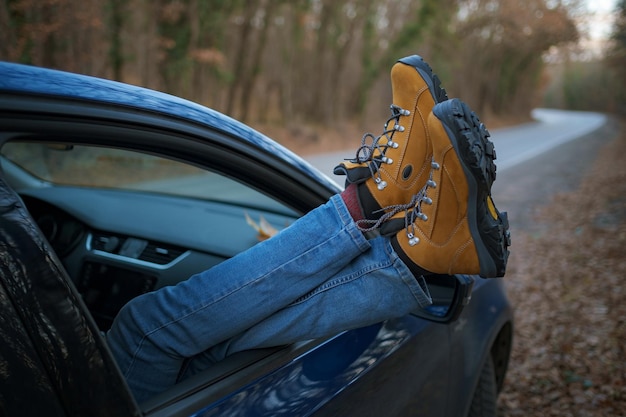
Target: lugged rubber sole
{"type": "Point", "coordinates": [426, 72]}
{"type": "Point", "coordinates": [489, 227]}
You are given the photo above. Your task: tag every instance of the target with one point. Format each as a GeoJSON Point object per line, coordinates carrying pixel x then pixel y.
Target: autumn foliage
{"type": "Point", "coordinates": [288, 62]}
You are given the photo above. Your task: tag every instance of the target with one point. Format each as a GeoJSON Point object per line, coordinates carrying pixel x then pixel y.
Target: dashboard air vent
{"type": "Point", "coordinates": [106, 242]}
{"type": "Point", "coordinates": [130, 247]}
{"type": "Point", "coordinates": [160, 254]}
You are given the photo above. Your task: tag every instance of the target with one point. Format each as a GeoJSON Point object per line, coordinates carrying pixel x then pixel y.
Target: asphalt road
{"type": "Point", "coordinates": [534, 160]}
{"type": "Point", "coordinates": [522, 188]}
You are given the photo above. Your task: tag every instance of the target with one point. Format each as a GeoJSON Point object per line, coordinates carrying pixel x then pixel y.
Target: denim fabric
{"type": "Point", "coordinates": [315, 278]}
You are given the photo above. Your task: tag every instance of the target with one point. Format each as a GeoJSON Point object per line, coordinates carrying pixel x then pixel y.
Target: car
{"type": "Point", "coordinates": [109, 190]}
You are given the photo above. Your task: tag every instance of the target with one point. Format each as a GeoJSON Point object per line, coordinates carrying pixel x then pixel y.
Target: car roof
{"type": "Point", "coordinates": [31, 80]}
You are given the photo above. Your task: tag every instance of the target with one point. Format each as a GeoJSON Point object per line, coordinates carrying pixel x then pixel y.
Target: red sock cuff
{"type": "Point", "coordinates": [351, 199]}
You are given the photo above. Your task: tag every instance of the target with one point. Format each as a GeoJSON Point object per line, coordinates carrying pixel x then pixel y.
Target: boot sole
{"type": "Point", "coordinates": [476, 152]}
{"type": "Point", "coordinates": [426, 72]}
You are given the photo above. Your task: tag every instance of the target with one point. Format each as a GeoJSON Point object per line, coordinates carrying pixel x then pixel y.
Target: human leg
{"type": "Point", "coordinates": [231, 307]}
{"type": "Point", "coordinates": [154, 333]}
{"type": "Point", "coordinates": [374, 287]}
{"type": "Point", "coordinates": [458, 227]}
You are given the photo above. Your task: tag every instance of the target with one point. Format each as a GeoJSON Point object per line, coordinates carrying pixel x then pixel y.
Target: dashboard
{"type": "Point", "coordinates": [116, 245]}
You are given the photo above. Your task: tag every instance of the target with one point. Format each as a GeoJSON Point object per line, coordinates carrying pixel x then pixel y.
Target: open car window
{"type": "Point", "coordinates": [125, 222]}
{"type": "Point", "coordinates": [101, 167]}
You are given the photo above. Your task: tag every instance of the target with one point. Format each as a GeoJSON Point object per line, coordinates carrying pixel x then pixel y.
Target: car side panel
{"type": "Point", "coordinates": [472, 337]}
{"type": "Point", "coordinates": [413, 381]}
{"type": "Point", "coordinates": [391, 369]}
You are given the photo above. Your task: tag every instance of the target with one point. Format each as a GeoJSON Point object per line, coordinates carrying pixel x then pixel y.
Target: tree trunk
{"type": "Point", "coordinates": [240, 58]}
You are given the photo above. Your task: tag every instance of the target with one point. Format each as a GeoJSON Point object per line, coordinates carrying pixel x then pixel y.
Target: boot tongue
{"type": "Point", "coordinates": [355, 175]}
{"type": "Point", "coordinates": [392, 227]}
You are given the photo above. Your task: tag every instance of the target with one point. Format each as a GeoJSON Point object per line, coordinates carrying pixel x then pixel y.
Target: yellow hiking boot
{"type": "Point", "coordinates": [396, 164]}
{"type": "Point", "coordinates": [452, 225]}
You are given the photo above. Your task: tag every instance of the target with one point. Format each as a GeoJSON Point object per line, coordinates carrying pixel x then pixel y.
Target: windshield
{"type": "Point", "coordinates": [100, 167]}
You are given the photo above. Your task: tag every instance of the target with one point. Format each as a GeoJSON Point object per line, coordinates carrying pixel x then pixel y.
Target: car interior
{"type": "Point", "coordinates": [124, 222]}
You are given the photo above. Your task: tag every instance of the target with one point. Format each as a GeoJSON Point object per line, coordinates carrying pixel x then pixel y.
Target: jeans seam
{"type": "Point", "coordinates": [133, 359]}
{"type": "Point", "coordinates": [341, 281]}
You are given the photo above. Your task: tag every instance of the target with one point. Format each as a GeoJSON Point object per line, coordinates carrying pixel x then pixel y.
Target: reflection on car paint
{"type": "Point", "coordinates": [309, 382]}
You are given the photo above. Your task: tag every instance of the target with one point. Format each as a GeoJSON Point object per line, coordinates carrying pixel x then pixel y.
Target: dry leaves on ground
{"type": "Point", "coordinates": [566, 283]}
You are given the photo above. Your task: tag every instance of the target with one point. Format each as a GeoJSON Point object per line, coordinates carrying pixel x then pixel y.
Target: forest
{"type": "Point", "coordinates": [322, 62]}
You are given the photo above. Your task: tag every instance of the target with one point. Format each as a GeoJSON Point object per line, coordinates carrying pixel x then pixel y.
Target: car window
{"type": "Point", "coordinates": [101, 167]}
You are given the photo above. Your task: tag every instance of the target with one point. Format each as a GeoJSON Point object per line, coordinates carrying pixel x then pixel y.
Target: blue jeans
{"type": "Point", "coordinates": [315, 278]}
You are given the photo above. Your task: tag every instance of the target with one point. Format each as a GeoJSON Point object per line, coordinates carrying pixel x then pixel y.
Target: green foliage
{"type": "Point", "coordinates": [115, 18]}
{"type": "Point", "coordinates": [616, 58]}
{"type": "Point", "coordinates": [585, 86]}
{"type": "Point", "coordinates": [424, 18]}
{"type": "Point", "coordinates": [598, 85]}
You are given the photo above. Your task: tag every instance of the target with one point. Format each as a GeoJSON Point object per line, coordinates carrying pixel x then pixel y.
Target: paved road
{"type": "Point", "coordinates": [534, 160]}
{"type": "Point", "coordinates": [513, 145]}
{"type": "Point", "coordinates": [552, 128]}
{"type": "Point", "coordinates": [522, 188]}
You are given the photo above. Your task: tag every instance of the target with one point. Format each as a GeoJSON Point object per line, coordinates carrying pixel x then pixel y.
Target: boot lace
{"type": "Point", "coordinates": [413, 210]}
{"type": "Point", "coordinates": [416, 213]}
{"type": "Point", "coordinates": [375, 151]}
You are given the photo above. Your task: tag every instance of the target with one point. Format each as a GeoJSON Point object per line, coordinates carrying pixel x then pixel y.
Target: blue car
{"type": "Point", "coordinates": [109, 190]}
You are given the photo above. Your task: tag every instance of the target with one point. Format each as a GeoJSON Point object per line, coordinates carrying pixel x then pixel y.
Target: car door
{"type": "Point", "coordinates": [383, 369]}
{"type": "Point", "coordinates": [382, 365]}
{"type": "Point", "coordinates": [360, 359]}
{"type": "Point", "coordinates": [393, 368]}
